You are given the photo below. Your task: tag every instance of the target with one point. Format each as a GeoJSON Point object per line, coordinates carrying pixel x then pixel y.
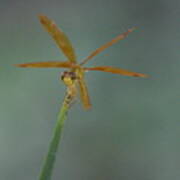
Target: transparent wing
{"type": "Point", "coordinates": [60, 38]}
{"type": "Point", "coordinates": [84, 93]}
{"type": "Point", "coordinates": [108, 44]}
{"type": "Point", "coordinates": [48, 64]}
{"type": "Point", "coordinates": [115, 71]}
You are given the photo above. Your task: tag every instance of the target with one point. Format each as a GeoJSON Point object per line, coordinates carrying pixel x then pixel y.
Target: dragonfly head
{"type": "Point", "coordinates": [68, 77]}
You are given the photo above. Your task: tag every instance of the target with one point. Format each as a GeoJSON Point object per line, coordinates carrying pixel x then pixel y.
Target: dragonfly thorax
{"type": "Point", "coordinates": [68, 77]}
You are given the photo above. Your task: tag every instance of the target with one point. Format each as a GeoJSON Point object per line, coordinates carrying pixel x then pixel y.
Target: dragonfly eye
{"type": "Point", "coordinates": [63, 75]}
{"type": "Point", "coordinates": [68, 74]}
{"type": "Point", "coordinates": [73, 75]}
{"type": "Point", "coordinates": [68, 77]}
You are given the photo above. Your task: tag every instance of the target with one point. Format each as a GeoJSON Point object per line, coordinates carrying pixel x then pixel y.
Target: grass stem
{"type": "Point", "coordinates": [47, 168]}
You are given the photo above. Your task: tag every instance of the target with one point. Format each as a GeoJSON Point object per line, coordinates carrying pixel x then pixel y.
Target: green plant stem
{"type": "Point", "coordinates": [47, 169]}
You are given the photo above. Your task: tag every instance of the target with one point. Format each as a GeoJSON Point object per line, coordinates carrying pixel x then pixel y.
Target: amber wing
{"type": "Point", "coordinates": [84, 93]}
{"type": "Point", "coordinates": [48, 64]}
{"type": "Point", "coordinates": [59, 36]}
{"type": "Point", "coordinates": [108, 44]}
{"type": "Point", "coordinates": [115, 71]}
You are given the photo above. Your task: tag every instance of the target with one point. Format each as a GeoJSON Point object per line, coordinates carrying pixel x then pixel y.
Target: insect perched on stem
{"type": "Point", "coordinates": [75, 76]}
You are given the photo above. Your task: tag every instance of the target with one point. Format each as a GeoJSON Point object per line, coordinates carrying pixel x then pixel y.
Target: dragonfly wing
{"type": "Point", "coordinates": [48, 64]}
{"type": "Point", "coordinates": [60, 37]}
{"type": "Point", "coordinates": [108, 44]}
{"type": "Point", "coordinates": [84, 93]}
{"type": "Point", "coordinates": [115, 71]}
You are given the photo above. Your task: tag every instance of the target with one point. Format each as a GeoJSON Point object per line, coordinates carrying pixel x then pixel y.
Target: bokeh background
{"type": "Point", "coordinates": [133, 129]}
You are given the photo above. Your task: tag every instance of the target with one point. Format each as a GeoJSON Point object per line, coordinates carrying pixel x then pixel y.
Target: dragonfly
{"type": "Point", "coordinates": [74, 76]}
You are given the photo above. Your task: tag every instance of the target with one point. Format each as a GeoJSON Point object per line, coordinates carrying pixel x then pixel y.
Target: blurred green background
{"type": "Point", "coordinates": [132, 132]}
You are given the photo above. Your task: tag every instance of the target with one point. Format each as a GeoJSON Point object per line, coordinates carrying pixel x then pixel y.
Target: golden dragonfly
{"type": "Point", "coordinates": [74, 77]}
